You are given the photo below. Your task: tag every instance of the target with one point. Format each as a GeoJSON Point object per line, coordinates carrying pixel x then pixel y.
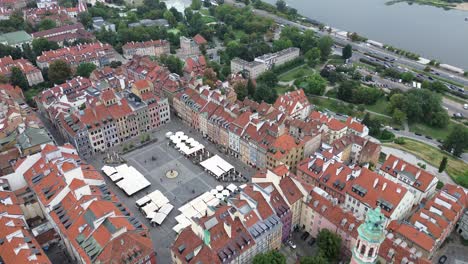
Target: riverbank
{"type": "Point", "coordinates": [436, 3]}
{"type": "Point", "coordinates": [462, 6]}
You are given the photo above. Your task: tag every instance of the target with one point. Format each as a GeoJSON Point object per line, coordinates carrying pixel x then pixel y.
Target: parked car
{"type": "Point", "coordinates": [418, 134]}
{"type": "Point", "coordinates": [465, 106]}
{"type": "Point", "coordinates": [442, 259]}
{"type": "Point", "coordinates": [428, 137]}
{"type": "Point", "coordinates": [291, 244]}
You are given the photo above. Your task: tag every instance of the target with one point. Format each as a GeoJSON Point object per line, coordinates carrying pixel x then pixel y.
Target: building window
{"type": "Point", "coordinates": [371, 252]}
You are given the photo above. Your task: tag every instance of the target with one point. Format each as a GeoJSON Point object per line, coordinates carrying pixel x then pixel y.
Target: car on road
{"type": "Point", "coordinates": [291, 244]}
{"type": "Point", "coordinates": [465, 106]}
{"type": "Point", "coordinates": [418, 134]}
{"type": "Point", "coordinates": [442, 259]}
{"type": "Point", "coordinates": [428, 137]}
{"type": "Point", "coordinates": [458, 115]}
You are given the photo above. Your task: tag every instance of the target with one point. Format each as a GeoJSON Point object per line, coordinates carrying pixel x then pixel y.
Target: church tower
{"type": "Point", "coordinates": [371, 235]}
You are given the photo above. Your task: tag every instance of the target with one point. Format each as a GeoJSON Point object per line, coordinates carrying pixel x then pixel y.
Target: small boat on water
{"type": "Point", "coordinates": [466, 18]}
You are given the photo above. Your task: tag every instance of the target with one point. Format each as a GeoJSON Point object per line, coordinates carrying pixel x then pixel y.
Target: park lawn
{"type": "Point", "coordinates": [296, 73]}
{"type": "Point", "coordinates": [380, 106]}
{"type": "Point", "coordinates": [456, 168]}
{"type": "Point", "coordinates": [174, 31]}
{"type": "Point", "coordinates": [205, 12]}
{"type": "Point", "coordinates": [208, 19]}
{"type": "Point", "coordinates": [282, 89]}
{"type": "Point", "coordinates": [437, 133]}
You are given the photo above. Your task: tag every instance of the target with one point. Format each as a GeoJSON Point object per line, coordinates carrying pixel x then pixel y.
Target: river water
{"type": "Point", "coordinates": [431, 32]}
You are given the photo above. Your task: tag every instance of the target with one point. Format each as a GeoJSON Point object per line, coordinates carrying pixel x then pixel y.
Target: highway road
{"type": "Point", "coordinates": [360, 47]}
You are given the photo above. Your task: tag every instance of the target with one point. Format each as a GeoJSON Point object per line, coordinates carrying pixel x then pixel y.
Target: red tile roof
{"type": "Point", "coordinates": [394, 166]}
{"type": "Point", "coordinates": [199, 39]}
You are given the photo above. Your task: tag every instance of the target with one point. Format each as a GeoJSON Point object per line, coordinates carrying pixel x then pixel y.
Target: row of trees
{"type": "Point", "coordinates": [353, 92]}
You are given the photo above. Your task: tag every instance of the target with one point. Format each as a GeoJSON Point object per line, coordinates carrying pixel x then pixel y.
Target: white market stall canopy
{"type": "Point", "coordinates": [217, 165]}
{"type": "Point", "coordinates": [108, 170]}
{"type": "Point", "coordinates": [154, 205]}
{"type": "Point", "coordinates": [133, 181]}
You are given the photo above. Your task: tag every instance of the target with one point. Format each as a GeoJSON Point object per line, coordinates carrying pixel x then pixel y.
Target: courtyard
{"type": "Point", "coordinates": [154, 161]}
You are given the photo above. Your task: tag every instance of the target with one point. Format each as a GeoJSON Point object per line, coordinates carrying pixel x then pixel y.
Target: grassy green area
{"type": "Point", "coordinates": [455, 98]}
{"type": "Point", "coordinates": [380, 106]}
{"type": "Point", "coordinates": [205, 12]}
{"type": "Point", "coordinates": [282, 89]}
{"type": "Point", "coordinates": [456, 168]}
{"type": "Point", "coordinates": [208, 19]}
{"type": "Point", "coordinates": [338, 106]}
{"type": "Point", "coordinates": [437, 77]}
{"type": "Point", "coordinates": [295, 73]}
{"type": "Point", "coordinates": [437, 133]}
{"type": "Point", "coordinates": [174, 31]}
{"type": "Point", "coordinates": [335, 60]}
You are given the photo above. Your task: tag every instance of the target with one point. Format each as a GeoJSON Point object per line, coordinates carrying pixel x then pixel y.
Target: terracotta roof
{"type": "Point", "coordinates": [186, 247]}
{"type": "Point", "coordinates": [199, 39]}
{"type": "Point", "coordinates": [290, 190]}
{"type": "Point", "coordinates": [412, 234]}
{"type": "Point", "coordinates": [394, 166]}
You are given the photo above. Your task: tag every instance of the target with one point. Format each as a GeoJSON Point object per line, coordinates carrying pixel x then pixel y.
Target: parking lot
{"type": "Point", "coordinates": [153, 161]}
{"type": "Point", "coordinates": [303, 248]}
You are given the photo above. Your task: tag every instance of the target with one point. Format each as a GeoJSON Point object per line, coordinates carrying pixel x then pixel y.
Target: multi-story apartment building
{"type": "Point", "coordinates": [281, 178]}
{"type": "Point", "coordinates": [32, 73]}
{"type": "Point", "coordinates": [18, 245]}
{"type": "Point", "coordinates": [251, 69]}
{"type": "Point", "coordinates": [218, 238]}
{"type": "Point", "coordinates": [97, 53]}
{"type": "Point", "coordinates": [165, 83]}
{"type": "Point", "coordinates": [263, 63]}
{"type": "Point", "coordinates": [358, 188]}
{"type": "Point", "coordinates": [146, 48]}
{"type": "Point", "coordinates": [419, 182]}
{"type": "Point", "coordinates": [431, 223]}
{"type": "Point", "coordinates": [92, 223]}
{"type": "Point", "coordinates": [352, 148]}
{"type": "Point", "coordinates": [68, 33]}
{"type": "Point", "coordinates": [295, 104]}
{"type": "Point", "coordinates": [94, 120]}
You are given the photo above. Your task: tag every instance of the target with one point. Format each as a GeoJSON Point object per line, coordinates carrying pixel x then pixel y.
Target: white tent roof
{"type": "Point", "coordinates": [179, 133]}
{"type": "Point", "coordinates": [143, 200]}
{"type": "Point", "coordinates": [184, 137]}
{"type": "Point", "coordinates": [231, 187]}
{"type": "Point", "coordinates": [108, 170]}
{"type": "Point", "coordinates": [219, 188]}
{"type": "Point", "coordinates": [213, 202]}
{"type": "Point", "coordinates": [161, 201]}
{"type": "Point", "coordinates": [177, 228]}
{"type": "Point", "coordinates": [190, 140]}
{"type": "Point", "coordinates": [217, 165]}
{"type": "Point", "coordinates": [151, 215]}
{"type": "Point", "coordinates": [116, 177]}
{"type": "Point", "coordinates": [169, 134]}
{"type": "Point", "coordinates": [149, 208]}
{"type": "Point", "coordinates": [166, 209]}
{"type": "Point", "coordinates": [159, 218]}
{"type": "Point", "coordinates": [190, 212]}
{"type": "Point", "coordinates": [225, 193]}
{"type": "Point", "coordinates": [133, 181]}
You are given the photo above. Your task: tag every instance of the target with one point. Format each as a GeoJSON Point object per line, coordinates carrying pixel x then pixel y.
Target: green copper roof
{"type": "Point", "coordinates": [372, 230]}
{"type": "Point", "coordinates": [14, 38]}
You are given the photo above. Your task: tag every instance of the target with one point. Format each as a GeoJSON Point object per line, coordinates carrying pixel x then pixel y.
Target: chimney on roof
{"type": "Point", "coordinates": [228, 229]}
{"type": "Point", "coordinates": [384, 186]}
{"type": "Point", "coordinates": [417, 174]}
{"type": "Point", "coordinates": [376, 181]}
{"type": "Point", "coordinates": [394, 164]}
{"type": "Point", "coordinates": [398, 190]}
